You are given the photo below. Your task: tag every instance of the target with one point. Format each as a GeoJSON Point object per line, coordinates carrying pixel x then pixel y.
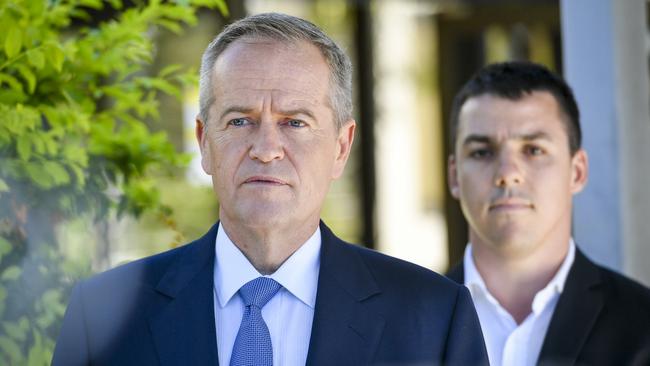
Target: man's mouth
{"type": "Point", "coordinates": [265, 180]}
{"type": "Point", "coordinates": [510, 204]}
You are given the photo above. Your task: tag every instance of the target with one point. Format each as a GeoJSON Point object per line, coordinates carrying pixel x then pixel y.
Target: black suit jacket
{"type": "Point", "coordinates": [601, 318]}
{"type": "Point", "coordinates": [370, 309]}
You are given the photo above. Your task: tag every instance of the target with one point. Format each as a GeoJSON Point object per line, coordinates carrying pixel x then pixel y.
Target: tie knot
{"type": "Point", "coordinates": [259, 291]}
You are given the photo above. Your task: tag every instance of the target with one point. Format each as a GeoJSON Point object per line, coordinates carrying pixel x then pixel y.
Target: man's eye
{"type": "Point", "coordinates": [296, 123]}
{"type": "Point", "coordinates": [533, 150]}
{"type": "Point", "coordinates": [480, 153]}
{"type": "Point", "coordinates": [238, 122]}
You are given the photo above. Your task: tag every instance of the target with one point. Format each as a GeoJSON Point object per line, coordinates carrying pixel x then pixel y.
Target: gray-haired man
{"type": "Point", "coordinates": [270, 283]}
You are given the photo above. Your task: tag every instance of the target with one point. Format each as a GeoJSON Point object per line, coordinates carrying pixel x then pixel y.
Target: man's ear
{"type": "Point", "coordinates": [452, 177]}
{"type": "Point", "coordinates": [579, 171]}
{"type": "Point", "coordinates": [200, 131]}
{"type": "Point", "coordinates": [344, 144]}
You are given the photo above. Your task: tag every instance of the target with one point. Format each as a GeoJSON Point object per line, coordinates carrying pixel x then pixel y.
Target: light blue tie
{"type": "Point", "coordinates": [253, 343]}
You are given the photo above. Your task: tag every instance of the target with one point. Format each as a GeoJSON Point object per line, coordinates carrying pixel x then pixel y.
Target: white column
{"type": "Point", "coordinates": [605, 52]}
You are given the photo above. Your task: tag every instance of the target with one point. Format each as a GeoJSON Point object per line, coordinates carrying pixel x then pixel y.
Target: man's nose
{"type": "Point", "coordinates": [508, 172]}
{"type": "Point", "coordinates": [267, 143]}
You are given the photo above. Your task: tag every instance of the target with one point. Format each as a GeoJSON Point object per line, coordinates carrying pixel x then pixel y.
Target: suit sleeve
{"type": "Point", "coordinates": [465, 345]}
{"type": "Point", "coordinates": [72, 344]}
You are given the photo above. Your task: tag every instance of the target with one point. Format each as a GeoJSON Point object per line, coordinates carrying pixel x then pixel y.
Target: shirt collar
{"type": "Point", "coordinates": [556, 285]}
{"type": "Point", "coordinates": [476, 285]}
{"type": "Point", "coordinates": [298, 274]}
{"type": "Point", "coordinates": [473, 279]}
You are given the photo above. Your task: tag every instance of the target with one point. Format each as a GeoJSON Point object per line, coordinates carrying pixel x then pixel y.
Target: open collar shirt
{"type": "Point", "coordinates": [288, 315]}
{"type": "Point", "coordinates": [509, 343]}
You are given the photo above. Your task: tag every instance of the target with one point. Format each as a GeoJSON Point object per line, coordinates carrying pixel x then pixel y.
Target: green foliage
{"type": "Point", "coordinates": [74, 102]}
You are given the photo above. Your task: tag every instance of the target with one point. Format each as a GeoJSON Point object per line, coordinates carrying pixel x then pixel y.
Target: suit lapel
{"type": "Point", "coordinates": [575, 314]}
{"type": "Point", "coordinates": [344, 330]}
{"type": "Point", "coordinates": [182, 317]}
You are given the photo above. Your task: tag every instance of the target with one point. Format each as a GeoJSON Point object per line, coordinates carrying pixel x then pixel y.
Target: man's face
{"type": "Point", "coordinates": [513, 173]}
{"type": "Point", "coordinates": [271, 144]}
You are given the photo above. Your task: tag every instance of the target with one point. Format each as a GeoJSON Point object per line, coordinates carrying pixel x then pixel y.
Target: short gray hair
{"type": "Point", "coordinates": [289, 29]}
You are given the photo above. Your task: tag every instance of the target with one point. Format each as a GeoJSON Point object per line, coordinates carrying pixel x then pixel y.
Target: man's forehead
{"type": "Point", "coordinates": [264, 53]}
{"type": "Point", "coordinates": [280, 99]}
{"type": "Point", "coordinates": [536, 114]}
{"type": "Point", "coordinates": [264, 66]}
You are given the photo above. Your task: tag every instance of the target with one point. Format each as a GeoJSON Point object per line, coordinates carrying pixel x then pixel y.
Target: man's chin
{"type": "Point", "coordinates": [267, 214]}
{"type": "Point", "coordinates": [507, 234]}
{"type": "Point", "coordinates": [513, 244]}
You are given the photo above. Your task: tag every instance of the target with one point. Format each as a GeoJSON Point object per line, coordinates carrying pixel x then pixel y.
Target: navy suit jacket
{"type": "Point", "coordinates": [370, 309]}
{"type": "Point", "coordinates": [601, 318]}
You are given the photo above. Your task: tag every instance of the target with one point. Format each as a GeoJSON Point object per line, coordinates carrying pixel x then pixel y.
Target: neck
{"type": "Point", "coordinates": [267, 247]}
{"type": "Point", "coordinates": [515, 280]}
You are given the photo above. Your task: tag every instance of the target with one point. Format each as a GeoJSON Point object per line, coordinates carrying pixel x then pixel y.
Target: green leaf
{"type": "Point", "coordinates": [14, 330]}
{"type": "Point", "coordinates": [39, 353]}
{"type": "Point", "coordinates": [55, 55]}
{"type": "Point", "coordinates": [11, 273]}
{"type": "Point", "coordinates": [170, 25]}
{"type": "Point", "coordinates": [5, 248]}
{"type": "Point", "coordinates": [52, 298]}
{"type": "Point", "coordinates": [168, 70]}
{"type": "Point", "coordinates": [36, 58]}
{"type": "Point", "coordinates": [4, 187]}
{"type": "Point", "coordinates": [93, 4]}
{"type": "Point", "coordinates": [37, 7]}
{"type": "Point", "coordinates": [10, 348]}
{"type": "Point", "coordinates": [57, 172]}
{"type": "Point", "coordinates": [116, 4]}
{"type": "Point", "coordinates": [223, 7]}
{"type": "Point", "coordinates": [12, 96]}
{"type": "Point", "coordinates": [13, 83]}
{"type": "Point", "coordinates": [53, 308]}
{"type": "Point", "coordinates": [51, 145]}
{"type": "Point", "coordinates": [29, 77]}
{"type": "Point", "coordinates": [23, 323]}
{"type": "Point", "coordinates": [39, 177]}
{"type": "Point", "coordinates": [3, 297]}
{"type": "Point", "coordinates": [79, 175]}
{"type": "Point", "coordinates": [76, 154]}
{"type": "Point", "coordinates": [38, 143]}
{"type": "Point", "coordinates": [13, 42]}
{"type": "Point", "coordinates": [165, 86]}
{"type": "Point", "coordinates": [24, 147]}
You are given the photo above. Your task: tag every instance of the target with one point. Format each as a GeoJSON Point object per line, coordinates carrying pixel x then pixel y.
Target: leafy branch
{"type": "Point", "coordinates": [74, 102]}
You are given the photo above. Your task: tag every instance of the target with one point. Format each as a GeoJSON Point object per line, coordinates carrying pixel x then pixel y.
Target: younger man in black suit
{"type": "Point", "coordinates": [517, 162]}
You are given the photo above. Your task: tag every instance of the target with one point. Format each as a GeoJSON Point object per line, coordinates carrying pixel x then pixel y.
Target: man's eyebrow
{"type": "Point", "coordinates": [483, 139]}
{"type": "Point", "coordinates": [538, 135]}
{"type": "Point", "coordinates": [476, 139]}
{"type": "Point", "coordinates": [236, 108]}
{"type": "Point", "coordinates": [293, 112]}
{"type": "Point", "coordinates": [288, 112]}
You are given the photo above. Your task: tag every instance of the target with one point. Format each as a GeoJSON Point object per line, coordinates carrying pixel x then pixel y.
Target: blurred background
{"type": "Point", "coordinates": [130, 182]}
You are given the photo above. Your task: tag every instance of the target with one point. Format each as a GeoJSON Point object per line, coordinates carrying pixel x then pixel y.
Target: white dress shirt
{"type": "Point", "coordinates": [509, 344]}
{"type": "Point", "coordinates": [289, 314]}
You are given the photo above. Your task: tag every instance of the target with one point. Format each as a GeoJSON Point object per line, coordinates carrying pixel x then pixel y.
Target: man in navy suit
{"type": "Point", "coordinates": [516, 164]}
{"type": "Point", "coordinates": [270, 283]}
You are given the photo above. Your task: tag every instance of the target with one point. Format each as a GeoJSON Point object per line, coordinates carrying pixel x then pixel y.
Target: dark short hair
{"type": "Point", "coordinates": [514, 80]}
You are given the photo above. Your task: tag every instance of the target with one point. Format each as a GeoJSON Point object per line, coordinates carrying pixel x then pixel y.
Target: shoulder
{"type": "Point", "coordinates": [408, 284]}
{"type": "Point", "coordinates": [389, 269]}
{"type": "Point", "coordinates": [623, 298]}
{"type": "Point", "coordinates": [146, 273]}
{"type": "Point", "coordinates": [625, 290]}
